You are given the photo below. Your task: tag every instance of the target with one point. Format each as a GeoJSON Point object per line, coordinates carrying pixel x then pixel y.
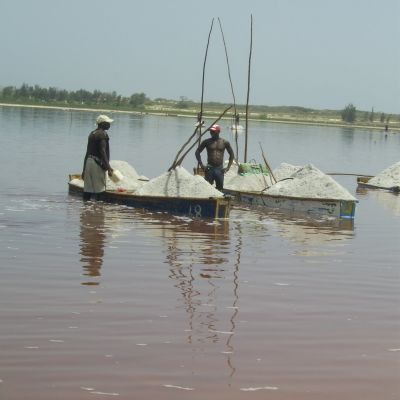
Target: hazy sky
{"type": "Point", "coordinates": [311, 53]}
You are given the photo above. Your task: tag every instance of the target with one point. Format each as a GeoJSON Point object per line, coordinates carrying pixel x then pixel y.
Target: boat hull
{"type": "Point", "coordinates": [191, 207]}
{"type": "Point", "coordinates": [363, 182]}
{"type": "Point", "coordinates": [329, 207]}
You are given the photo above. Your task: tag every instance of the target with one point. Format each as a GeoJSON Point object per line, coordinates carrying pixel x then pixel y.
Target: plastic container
{"type": "Point", "coordinates": [116, 176]}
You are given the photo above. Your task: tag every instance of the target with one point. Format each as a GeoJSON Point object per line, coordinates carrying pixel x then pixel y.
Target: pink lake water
{"type": "Point", "coordinates": [100, 301]}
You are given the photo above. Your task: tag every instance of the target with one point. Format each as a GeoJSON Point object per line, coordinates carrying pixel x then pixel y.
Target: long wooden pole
{"type": "Point", "coordinates": [200, 117]}
{"type": "Point", "coordinates": [266, 162]}
{"type": "Point", "coordinates": [248, 89]}
{"type": "Point", "coordinates": [233, 92]}
{"type": "Point", "coordinates": [182, 148]}
{"type": "Point", "coordinates": [344, 173]}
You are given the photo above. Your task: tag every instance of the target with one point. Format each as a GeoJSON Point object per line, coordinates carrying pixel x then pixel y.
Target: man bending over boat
{"type": "Point", "coordinates": [97, 159]}
{"type": "Point", "coordinates": [216, 146]}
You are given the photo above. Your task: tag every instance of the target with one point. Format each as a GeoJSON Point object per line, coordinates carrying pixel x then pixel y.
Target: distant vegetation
{"type": "Point", "coordinates": [36, 95]}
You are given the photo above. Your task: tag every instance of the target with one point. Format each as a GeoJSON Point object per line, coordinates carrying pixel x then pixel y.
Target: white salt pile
{"type": "Point", "coordinates": [246, 183]}
{"type": "Point", "coordinates": [179, 183]}
{"type": "Point", "coordinates": [233, 171]}
{"type": "Point", "coordinates": [387, 178]}
{"type": "Point", "coordinates": [77, 182]}
{"type": "Point", "coordinates": [285, 170]}
{"type": "Point", "coordinates": [310, 182]}
{"type": "Point", "coordinates": [130, 180]}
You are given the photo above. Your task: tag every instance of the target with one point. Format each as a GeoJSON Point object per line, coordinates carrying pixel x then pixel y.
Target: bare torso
{"type": "Point", "coordinates": [215, 151]}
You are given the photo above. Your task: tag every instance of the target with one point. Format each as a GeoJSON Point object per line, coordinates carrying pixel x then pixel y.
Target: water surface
{"type": "Point", "coordinates": [100, 300]}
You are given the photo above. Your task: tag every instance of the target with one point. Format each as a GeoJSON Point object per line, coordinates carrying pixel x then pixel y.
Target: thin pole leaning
{"type": "Point", "coordinates": [179, 162]}
{"type": "Point", "coordinates": [266, 163]}
{"type": "Point", "coordinates": [233, 92]}
{"type": "Point", "coordinates": [248, 89]}
{"type": "Point", "coordinates": [200, 118]}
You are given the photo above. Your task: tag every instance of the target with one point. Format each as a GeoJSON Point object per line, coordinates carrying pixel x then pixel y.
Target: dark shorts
{"type": "Point", "coordinates": [215, 174]}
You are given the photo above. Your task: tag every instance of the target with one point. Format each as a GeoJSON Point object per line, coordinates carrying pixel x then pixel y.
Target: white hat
{"type": "Point", "coordinates": [103, 118]}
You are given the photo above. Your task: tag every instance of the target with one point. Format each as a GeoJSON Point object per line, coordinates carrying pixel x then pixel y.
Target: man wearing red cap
{"type": "Point", "coordinates": [216, 146]}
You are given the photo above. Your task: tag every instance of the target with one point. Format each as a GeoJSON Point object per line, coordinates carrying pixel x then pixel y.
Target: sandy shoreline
{"type": "Point", "coordinates": [164, 114]}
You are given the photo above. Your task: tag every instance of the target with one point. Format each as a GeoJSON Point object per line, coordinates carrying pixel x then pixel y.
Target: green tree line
{"type": "Point", "coordinates": [82, 97]}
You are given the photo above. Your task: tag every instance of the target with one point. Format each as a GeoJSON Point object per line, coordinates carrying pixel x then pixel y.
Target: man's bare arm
{"type": "Point", "coordinates": [231, 156]}
{"type": "Point", "coordinates": [197, 153]}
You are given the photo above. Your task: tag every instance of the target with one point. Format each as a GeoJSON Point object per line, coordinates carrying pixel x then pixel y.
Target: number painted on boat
{"type": "Point", "coordinates": [195, 211]}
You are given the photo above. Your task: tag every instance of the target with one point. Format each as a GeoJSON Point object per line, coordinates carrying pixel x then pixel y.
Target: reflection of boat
{"type": "Point", "coordinates": [389, 200]}
{"type": "Point", "coordinates": [362, 182]}
{"type": "Point", "coordinates": [313, 206]}
{"type": "Point", "coordinates": [192, 207]}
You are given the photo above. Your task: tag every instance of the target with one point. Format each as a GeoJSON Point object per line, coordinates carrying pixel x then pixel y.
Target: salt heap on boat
{"type": "Point", "coordinates": [245, 182]}
{"type": "Point", "coordinates": [310, 182]}
{"type": "Point", "coordinates": [285, 171]}
{"type": "Point", "coordinates": [179, 183]}
{"type": "Point", "coordinates": [130, 182]}
{"type": "Point", "coordinates": [388, 178]}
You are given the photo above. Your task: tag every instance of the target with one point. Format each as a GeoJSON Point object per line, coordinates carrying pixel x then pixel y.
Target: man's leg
{"type": "Point", "coordinates": [219, 178]}
{"type": "Point", "coordinates": [86, 196]}
{"type": "Point", "coordinates": [208, 175]}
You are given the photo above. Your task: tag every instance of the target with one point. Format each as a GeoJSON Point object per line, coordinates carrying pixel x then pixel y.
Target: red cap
{"type": "Point", "coordinates": [215, 128]}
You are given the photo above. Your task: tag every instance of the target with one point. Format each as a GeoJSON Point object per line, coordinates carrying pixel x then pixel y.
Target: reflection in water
{"type": "Point", "coordinates": [198, 243]}
{"type": "Point", "coordinates": [235, 305]}
{"type": "Point", "coordinates": [93, 239]}
{"type": "Point", "coordinates": [206, 244]}
{"type": "Point", "coordinates": [389, 200]}
{"type": "Point", "coordinates": [312, 235]}
{"type": "Point", "coordinates": [316, 232]}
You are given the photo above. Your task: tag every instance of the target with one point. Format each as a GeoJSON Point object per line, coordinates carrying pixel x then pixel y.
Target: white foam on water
{"type": "Point", "coordinates": [105, 393]}
{"type": "Point", "coordinates": [178, 387]}
{"type": "Point", "coordinates": [254, 389]}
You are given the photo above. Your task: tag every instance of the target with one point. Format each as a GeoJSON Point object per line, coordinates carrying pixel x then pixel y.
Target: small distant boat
{"type": "Point", "coordinates": [238, 128]}
{"type": "Point", "coordinates": [305, 205]}
{"type": "Point", "coordinates": [212, 207]}
{"type": "Point", "coordinates": [363, 182]}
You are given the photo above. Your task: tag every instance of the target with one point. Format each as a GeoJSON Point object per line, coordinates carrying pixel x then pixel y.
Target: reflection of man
{"type": "Point", "coordinates": [92, 241]}
{"type": "Point", "coordinates": [216, 146]}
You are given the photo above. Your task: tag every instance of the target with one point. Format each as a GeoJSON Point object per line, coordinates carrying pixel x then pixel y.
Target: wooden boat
{"type": "Point", "coordinates": [362, 182]}
{"type": "Point", "coordinates": [212, 207]}
{"type": "Point", "coordinates": [329, 207]}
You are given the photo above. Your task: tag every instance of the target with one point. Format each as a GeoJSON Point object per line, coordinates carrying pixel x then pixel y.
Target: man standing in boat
{"type": "Point", "coordinates": [216, 146]}
{"type": "Point", "coordinates": [97, 159]}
